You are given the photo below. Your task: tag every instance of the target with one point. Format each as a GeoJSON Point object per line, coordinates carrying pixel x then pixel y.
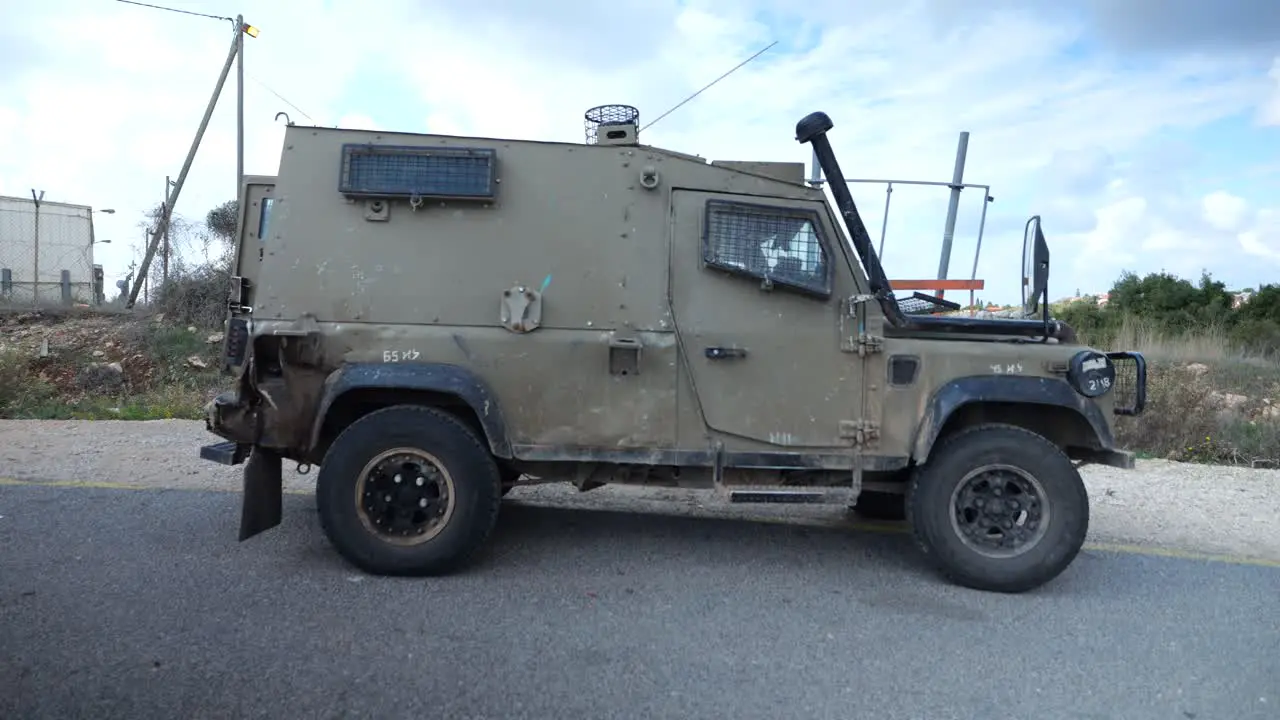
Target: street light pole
{"type": "Point", "coordinates": [164, 248]}
{"type": "Point", "coordinates": [240, 30]}
{"type": "Point", "coordinates": [163, 225]}
{"type": "Point", "coordinates": [35, 273]}
{"type": "Point", "coordinates": [236, 54]}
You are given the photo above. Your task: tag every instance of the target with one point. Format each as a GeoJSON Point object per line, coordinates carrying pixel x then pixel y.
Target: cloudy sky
{"type": "Point", "coordinates": [1145, 132]}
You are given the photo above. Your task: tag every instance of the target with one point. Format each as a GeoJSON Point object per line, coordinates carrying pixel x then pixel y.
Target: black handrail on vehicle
{"type": "Point", "coordinates": [813, 129]}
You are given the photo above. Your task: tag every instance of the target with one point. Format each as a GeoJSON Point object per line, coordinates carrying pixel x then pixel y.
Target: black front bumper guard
{"type": "Point", "coordinates": [1139, 381]}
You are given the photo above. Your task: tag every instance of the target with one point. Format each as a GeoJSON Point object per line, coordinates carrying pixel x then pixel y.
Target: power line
{"type": "Point", "coordinates": [184, 12]}
{"type": "Point", "coordinates": [220, 17]}
{"type": "Point", "coordinates": [282, 98]}
{"type": "Point", "coordinates": [708, 85]}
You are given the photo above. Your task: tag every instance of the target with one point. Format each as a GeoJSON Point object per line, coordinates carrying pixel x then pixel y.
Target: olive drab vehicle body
{"type": "Point", "coordinates": [432, 320]}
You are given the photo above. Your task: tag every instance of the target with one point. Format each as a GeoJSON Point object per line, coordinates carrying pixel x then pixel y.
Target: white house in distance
{"type": "Point", "coordinates": [53, 266]}
{"type": "Point", "coordinates": [1237, 299]}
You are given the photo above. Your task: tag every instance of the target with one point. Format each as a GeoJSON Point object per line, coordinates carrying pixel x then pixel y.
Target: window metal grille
{"type": "Point", "coordinates": [780, 245]}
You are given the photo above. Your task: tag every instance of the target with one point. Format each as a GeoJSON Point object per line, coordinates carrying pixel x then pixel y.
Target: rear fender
{"type": "Point", "coordinates": [429, 377]}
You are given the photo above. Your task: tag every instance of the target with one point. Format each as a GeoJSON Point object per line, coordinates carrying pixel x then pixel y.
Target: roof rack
{"type": "Point", "coordinates": [942, 284]}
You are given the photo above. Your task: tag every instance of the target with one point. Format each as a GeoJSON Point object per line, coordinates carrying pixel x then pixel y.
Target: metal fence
{"type": "Point", "coordinates": [46, 254]}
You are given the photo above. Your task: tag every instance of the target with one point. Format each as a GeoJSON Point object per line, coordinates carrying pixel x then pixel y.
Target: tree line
{"type": "Point", "coordinates": [1174, 307]}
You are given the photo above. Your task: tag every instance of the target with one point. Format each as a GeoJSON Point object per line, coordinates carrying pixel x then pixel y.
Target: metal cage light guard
{"type": "Point", "coordinates": [608, 115]}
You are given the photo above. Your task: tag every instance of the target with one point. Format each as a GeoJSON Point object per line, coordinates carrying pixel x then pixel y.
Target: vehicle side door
{"type": "Point", "coordinates": [759, 296]}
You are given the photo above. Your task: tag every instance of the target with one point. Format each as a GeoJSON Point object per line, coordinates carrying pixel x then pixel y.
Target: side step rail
{"type": "Point", "coordinates": [773, 494]}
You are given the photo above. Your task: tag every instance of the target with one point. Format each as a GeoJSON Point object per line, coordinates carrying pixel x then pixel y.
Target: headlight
{"type": "Point", "coordinates": [1091, 373]}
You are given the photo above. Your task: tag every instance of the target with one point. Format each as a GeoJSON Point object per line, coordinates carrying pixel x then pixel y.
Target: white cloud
{"type": "Point", "coordinates": [1104, 248]}
{"type": "Point", "coordinates": [1270, 114]}
{"type": "Point", "coordinates": [1134, 232]}
{"type": "Point", "coordinates": [109, 106]}
{"type": "Point", "coordinates": [1255, 230]}
{"type": "Point", "coordinates": [1263, 238]}
{"type": "Point", "coordinates": [1225, 211]}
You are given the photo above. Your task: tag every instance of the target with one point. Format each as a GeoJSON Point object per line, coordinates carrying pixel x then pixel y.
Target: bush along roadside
{"type": "Point", "coordinates": [106, 366]}
{"type": "Point", "coordinates": [1203, 406]}
{"type": "Point", "coordinates": [1223, 412]}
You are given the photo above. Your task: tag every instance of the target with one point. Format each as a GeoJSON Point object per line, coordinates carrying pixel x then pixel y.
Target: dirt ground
{"type": "Point", "coordinates": [1176, 506]}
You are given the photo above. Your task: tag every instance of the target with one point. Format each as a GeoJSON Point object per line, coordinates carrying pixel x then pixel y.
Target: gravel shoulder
{"type": "Point", "coordinates": [1162, 504]}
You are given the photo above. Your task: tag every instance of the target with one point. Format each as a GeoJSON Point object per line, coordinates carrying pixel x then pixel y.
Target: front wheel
{"type": "Point", "coordinates": [999, 508]}
{"type": "Point", "coordinates": [408, 490]}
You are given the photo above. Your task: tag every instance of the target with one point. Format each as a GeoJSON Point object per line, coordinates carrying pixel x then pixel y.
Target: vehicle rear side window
{"type": "Point", "coordinates": [778, 244]}
{"type": "Point", "coordinates": [264, 218]}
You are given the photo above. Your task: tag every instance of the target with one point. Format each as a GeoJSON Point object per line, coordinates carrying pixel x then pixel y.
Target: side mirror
{"type": "Point", "coordinates": [1039, 271]}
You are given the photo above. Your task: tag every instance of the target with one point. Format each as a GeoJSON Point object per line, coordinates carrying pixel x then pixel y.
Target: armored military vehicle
{"type": "Point", "coordinates": [431, 320]}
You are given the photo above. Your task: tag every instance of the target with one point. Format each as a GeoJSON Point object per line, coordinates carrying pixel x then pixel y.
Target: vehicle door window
{"type": "Point", "coordinates": [779, 245]}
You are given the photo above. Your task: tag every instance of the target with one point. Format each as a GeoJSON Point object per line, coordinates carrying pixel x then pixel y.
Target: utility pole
{"type": "Point", "coordinates": [162, 228]}
{"type": "Point", "coordinates": [953, 207]}
{"type": "Point", "coordinates": [164, 253]}
{"type": "Point", "coordinates": [35, 278]}
{"type": "Point", "coordinates": [241, 29]}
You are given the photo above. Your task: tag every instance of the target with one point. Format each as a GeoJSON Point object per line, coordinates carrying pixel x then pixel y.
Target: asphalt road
{"type": "Point", "coordinates": [141, 604]}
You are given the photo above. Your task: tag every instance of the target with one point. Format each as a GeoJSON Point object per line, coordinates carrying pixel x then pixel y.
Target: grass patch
{"type": "Point", "coordinates": [1209, 398]}
{"type": "Point", "coordinates": [159, 405]}
{"type": "Point", "coordinates": [107, 368]}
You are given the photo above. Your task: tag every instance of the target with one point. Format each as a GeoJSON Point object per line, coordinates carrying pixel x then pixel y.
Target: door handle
{"type": "Point", "coordinates": [723, 353]}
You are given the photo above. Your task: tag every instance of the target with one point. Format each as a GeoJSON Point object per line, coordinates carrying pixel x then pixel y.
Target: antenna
{"type": "Point", "coordinates": [708, 85]}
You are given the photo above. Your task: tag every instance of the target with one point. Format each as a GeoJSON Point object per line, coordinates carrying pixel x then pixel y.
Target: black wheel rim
{"type": "Point", "coordinates": [999, 510]}
{"type": "Point", "coordinates": [404, 496]}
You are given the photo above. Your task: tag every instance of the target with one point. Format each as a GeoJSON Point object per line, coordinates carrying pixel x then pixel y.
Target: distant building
{"type": "Point", "coordinates": [1100, 299]}
{"type": "Point", "coordinates": [52, 265]}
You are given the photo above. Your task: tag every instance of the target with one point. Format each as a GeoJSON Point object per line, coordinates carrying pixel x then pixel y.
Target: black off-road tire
{"type": "Point", "coordinates": [476, 491]}
{"type": "Point", "coordinates": [931, 507]}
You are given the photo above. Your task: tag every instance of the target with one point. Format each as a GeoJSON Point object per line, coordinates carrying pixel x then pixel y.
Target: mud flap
{"type": "Point", "coordinates": [261, 506]}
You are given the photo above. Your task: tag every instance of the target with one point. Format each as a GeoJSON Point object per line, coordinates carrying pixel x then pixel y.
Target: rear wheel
{"type": "Point", "coordinates": [999, 508]}
{"type": "Point", "coordinates": [408, 490]}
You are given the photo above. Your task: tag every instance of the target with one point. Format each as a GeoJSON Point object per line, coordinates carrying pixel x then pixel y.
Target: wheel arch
{"type": "Point", "coordinates": [356, 389]}
{"type": "Point", "coordinates": [1045, 406]}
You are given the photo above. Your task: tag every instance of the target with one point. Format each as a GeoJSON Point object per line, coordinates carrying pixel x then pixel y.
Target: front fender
{"type": "Point", "coordinates": [1006, 389]}
{"type": "Point", "coordinates": [441, 378]}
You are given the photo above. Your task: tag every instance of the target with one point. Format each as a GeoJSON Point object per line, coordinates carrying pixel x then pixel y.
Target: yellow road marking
{"type": "Point", "coordinates": [882, 528]}
{"type": "Point", "coordinates": [107, 485]}
{"type": "Point", "coordinates": [1127, 549]}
